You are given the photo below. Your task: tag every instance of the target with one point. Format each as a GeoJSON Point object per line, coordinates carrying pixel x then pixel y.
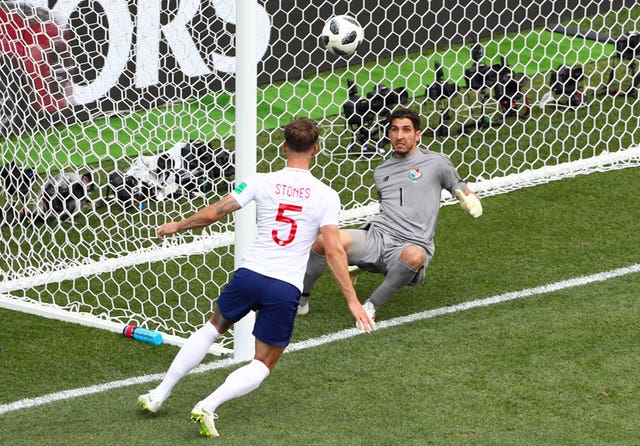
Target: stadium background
{"type": "Point", "coordinates": [294, 51]}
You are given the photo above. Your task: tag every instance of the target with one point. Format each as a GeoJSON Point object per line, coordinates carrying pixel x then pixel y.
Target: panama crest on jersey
{"type": "Point", "coordinates": [415, 173]}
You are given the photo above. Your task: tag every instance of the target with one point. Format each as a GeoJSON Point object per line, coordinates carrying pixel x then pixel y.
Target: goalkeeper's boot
{"type": "Point", "coordinates": [303, 305]}
{"type": "Point", "coordinates": [205, 420]}
{"type": "Point", "coordinates": [149, 403]}
{"type": "Point", "coordinates": [370, 310]}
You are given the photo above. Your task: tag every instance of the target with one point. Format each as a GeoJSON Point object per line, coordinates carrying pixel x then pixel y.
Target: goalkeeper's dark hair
{"type": "Point", "coordinates": [405, 113]}
{"type": "Point", "coordinates": [301, 135]}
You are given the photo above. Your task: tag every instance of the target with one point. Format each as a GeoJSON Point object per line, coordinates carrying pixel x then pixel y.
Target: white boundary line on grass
{"type": "Point", "coordinates": [343, 334]}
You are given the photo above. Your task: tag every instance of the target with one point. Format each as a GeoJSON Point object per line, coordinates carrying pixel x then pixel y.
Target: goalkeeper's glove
{"type": "Point", "coordinates": [470, 203]}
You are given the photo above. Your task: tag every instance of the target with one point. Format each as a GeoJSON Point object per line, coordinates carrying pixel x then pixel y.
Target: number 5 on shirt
{"type": "Point", "coordinates": [285, 219]}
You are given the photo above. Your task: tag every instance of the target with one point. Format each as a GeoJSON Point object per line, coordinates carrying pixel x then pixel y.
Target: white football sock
{"type": "Point", "coordinates": [239, 382]}
{"type": "Point", "coordinates": [190, 355]}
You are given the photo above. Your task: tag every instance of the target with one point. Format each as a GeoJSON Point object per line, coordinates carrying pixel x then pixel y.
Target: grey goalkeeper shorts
{"type": "Point", "coordinates": [376, 252]}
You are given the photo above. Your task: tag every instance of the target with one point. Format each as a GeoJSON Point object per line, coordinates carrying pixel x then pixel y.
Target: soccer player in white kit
{"type": "Point", "coordinates": [292, 208]}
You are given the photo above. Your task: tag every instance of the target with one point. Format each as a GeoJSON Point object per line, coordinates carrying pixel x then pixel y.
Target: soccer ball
{"type": "Point", "coordinates": [342, 35]}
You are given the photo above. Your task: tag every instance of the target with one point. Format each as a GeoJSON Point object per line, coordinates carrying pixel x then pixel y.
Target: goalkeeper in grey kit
{"type": "Point", "coordinates": [399, 242]}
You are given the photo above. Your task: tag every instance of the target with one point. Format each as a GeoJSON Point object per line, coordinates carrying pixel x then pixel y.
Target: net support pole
{"type": "Point", "coordinates": [246, 144]}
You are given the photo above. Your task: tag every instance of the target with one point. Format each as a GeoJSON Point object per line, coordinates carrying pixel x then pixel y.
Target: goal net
{"type": "Point", "coordinates": [117, 116]}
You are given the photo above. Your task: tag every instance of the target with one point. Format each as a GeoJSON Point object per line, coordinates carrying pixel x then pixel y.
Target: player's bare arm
{"type": "Point", "coordinates": [337, 260]}
{"type": "Point", "coordinates": [202, 218]}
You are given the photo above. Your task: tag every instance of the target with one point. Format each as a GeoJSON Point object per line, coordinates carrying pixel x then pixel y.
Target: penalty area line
{"type": "Point", "coordinates": [326, 339]}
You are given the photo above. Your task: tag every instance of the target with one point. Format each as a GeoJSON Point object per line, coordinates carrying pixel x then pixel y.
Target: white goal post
{"type": "Point", "coordinates": [182, 91]}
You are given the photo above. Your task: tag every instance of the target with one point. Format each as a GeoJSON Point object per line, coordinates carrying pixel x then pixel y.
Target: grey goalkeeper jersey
{"type": "Point", "coordinates": [409, 190]}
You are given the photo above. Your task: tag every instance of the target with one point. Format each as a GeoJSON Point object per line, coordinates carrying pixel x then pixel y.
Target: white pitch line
{"type": "Point", "coordinates": [343, 334]}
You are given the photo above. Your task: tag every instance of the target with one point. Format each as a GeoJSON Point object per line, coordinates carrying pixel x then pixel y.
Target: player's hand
{"type": "Point", "coordinates": [470, 203]}
{"type": "Point", "coordinates": [167, 228]}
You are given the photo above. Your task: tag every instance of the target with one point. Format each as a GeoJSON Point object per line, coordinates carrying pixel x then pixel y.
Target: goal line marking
{"type": "Point", "coordinates": [315, 342]}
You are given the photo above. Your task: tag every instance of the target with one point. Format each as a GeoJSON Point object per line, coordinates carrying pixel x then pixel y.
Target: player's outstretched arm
{"type": "Point", "coordinates": [204, 217]}
{"type": "Point", "coordinates": [469, 202]}
{"type": "Point", "coordinates": [337, 260]}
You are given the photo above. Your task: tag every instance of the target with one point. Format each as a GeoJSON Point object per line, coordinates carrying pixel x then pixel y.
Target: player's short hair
{"type": "Point", "coordinates": [301, 135]}
{"type": "Point", "coordinates": [405, 113]}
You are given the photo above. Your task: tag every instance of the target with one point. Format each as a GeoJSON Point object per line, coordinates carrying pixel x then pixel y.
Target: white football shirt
{"type": "Point", "coordinates": [291, 206]}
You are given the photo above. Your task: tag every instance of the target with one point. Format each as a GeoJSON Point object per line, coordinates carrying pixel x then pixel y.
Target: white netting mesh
{"type": "Point", "coordinates": [143, 92]}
